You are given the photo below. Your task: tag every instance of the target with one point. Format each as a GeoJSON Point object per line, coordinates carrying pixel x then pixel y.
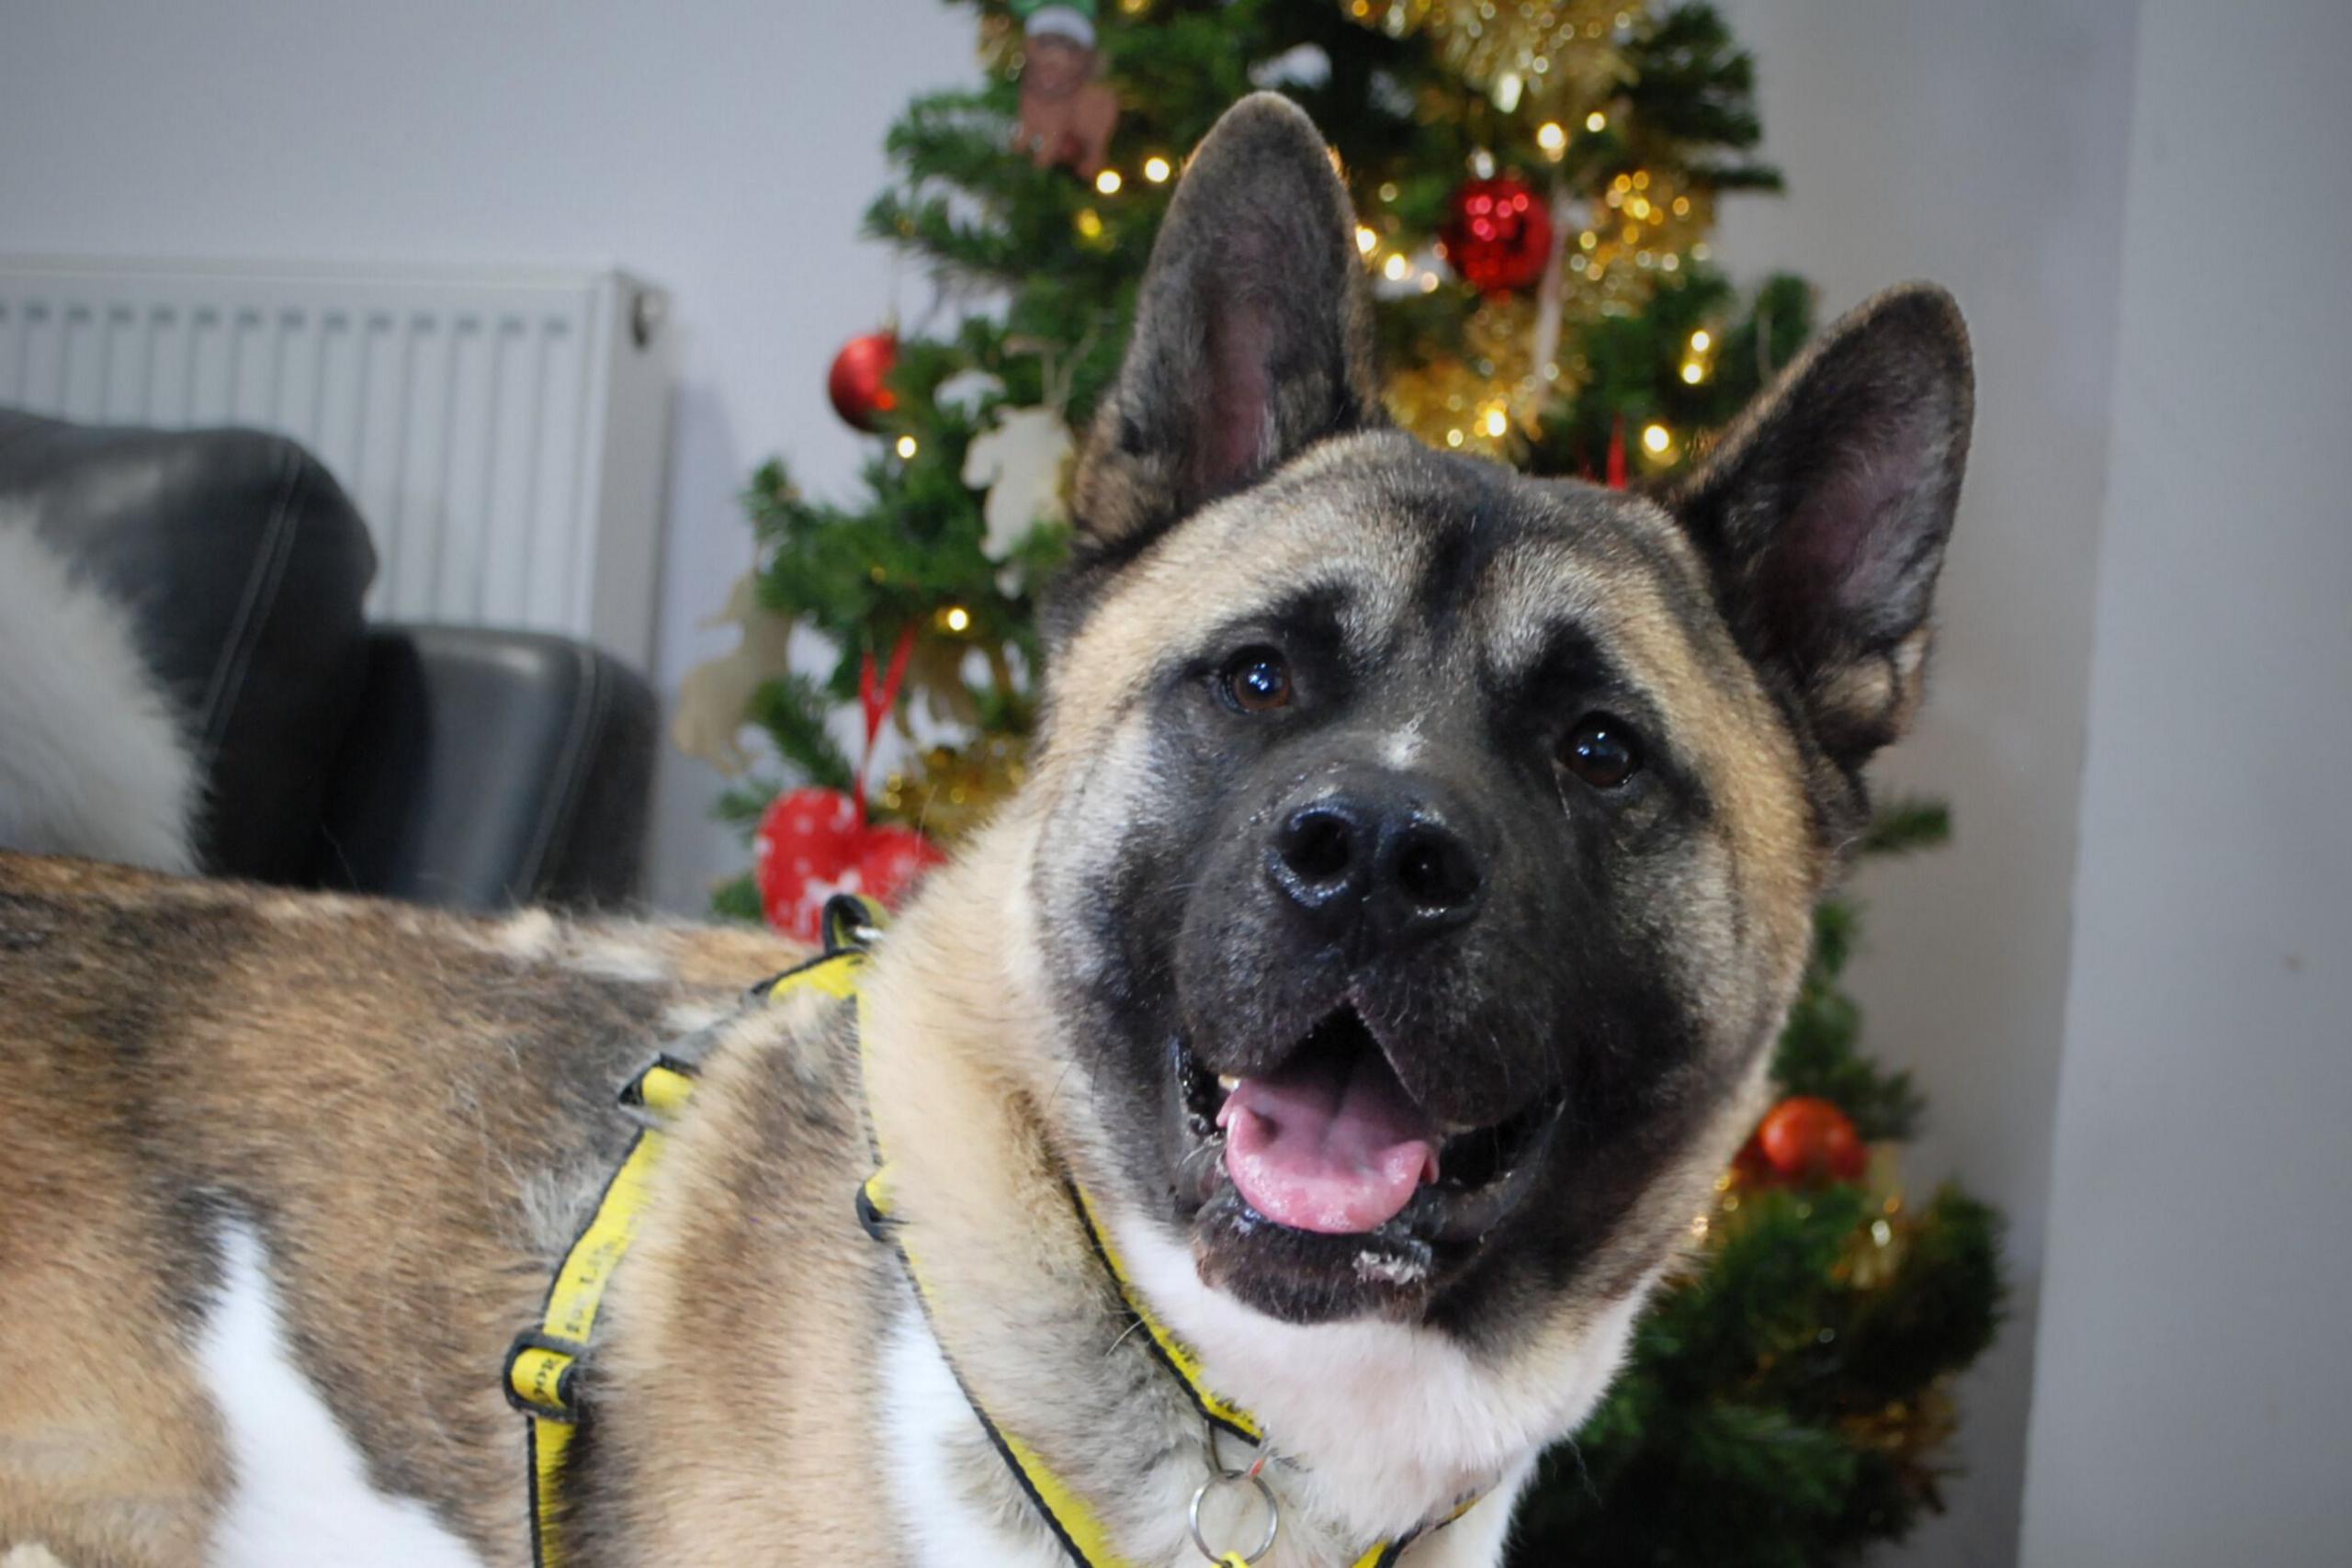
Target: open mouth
{"type": "Point", "coordinates": [1330, 1143]}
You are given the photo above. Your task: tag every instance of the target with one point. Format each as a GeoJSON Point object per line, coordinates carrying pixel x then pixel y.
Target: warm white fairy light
{"type": "Point", "coordinates": [1108, 182]}
{"type": "Point", "coordinates": [907, 447]}
{"type": "Point", "coordinates": [1655, 439]}
{"type": "Point", "coordinates": [1156, 169]}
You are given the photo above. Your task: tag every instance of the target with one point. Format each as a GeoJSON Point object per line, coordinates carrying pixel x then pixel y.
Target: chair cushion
{"type": "Point", "coordinates": [246, 565]}
{"type": "Point", "coordinates": [488, 768]}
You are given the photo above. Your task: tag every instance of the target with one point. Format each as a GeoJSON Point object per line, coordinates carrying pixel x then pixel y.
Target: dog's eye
{"type": "Point", "coordinates": [1602, 750]}
{"type": "Point", "coordinates": [1257, 680]}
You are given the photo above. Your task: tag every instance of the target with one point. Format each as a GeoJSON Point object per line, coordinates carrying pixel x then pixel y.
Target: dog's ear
{"type": "Point", "coordinates": [1252, 335]}
{"type": "Point", "coordinates": [1825, 508]}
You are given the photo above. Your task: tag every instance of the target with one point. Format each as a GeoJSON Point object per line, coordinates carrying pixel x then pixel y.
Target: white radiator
{"type": "Point", "coordinates": [502, 432]}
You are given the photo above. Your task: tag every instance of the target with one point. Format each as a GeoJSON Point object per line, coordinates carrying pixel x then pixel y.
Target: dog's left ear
{"type": "Point", "coordinates": [1825, 509]}
{"type": "Point", "coordinates": [1253, 336]}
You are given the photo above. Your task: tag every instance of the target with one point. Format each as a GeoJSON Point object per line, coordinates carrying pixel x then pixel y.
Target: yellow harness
{"type": "Point", "coordinates": [541, 1365]}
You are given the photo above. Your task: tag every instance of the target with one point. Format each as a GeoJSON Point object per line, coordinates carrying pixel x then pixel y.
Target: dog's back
{"type": "Point", "coordinates": [407, 1113]}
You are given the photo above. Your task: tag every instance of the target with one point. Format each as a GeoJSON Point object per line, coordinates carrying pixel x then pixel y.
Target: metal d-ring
{"type": "Point", "coordinates": [1221, 1477]}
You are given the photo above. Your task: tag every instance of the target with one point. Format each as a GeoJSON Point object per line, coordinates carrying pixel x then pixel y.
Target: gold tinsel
{"type": "Point", "coordinates": [1634, 236]}
{"type": "Point", "coordinates": [1477, 401]}
{"type": "Point", "coordinates": [951, 788]}
{"type": "Point", "coordinates": [1559, 55]}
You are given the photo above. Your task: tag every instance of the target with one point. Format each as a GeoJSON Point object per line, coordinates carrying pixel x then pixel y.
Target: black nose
{"type": "Point", "coordinates": [1379, 855]}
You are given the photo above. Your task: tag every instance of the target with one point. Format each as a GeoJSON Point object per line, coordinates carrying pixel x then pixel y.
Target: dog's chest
{"type": "Point", "coordinates": [956, 1504]}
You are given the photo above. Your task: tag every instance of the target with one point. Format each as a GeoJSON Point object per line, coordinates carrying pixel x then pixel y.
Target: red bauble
{"type": "Point", "coordinates": [1497, 236]}
{"type": "Point", "coordinates": [810, 847]}
{"type": "Point", "coordinates": [1806, 1138]}
{"type": "Point", "coordinates": [859, 382]}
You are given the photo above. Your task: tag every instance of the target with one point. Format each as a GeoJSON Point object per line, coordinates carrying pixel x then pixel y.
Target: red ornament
{"type": "Point", "coordinates": [1498, 234]}
{"type": "Point", "coordinates": [1805, 1138]}
{"type": "Point", "coordinates": [811, 844]}
{"type": "Point", "coordinates": [859, 382]}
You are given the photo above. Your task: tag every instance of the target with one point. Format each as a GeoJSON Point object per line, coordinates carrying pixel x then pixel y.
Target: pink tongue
{"type": "Point", "coordinates": [1331, 1144]}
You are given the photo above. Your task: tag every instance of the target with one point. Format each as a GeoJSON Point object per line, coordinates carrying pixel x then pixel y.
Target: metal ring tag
{"type": "Point", "coordinates": [1273, 1517]}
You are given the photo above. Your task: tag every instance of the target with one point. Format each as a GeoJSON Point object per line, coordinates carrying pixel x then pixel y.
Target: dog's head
{"type": "Point", "coordinates": [1425, 853]}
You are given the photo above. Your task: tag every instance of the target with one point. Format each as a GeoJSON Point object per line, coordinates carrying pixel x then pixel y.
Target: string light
{"type": "Point", "coordinates": [1156, 169]}
{"type": "Point", "coordinates": [1089, 223]}
{"type": "Point", "coordinates": [1494, 421]}
{"type": "Point", "coordinates": [907, 447]}
{"type": "Point", "coordinates": [1596, 122]}
{"type": "Point", "coordinates": [1108, 182]}
{"type": "Point", "coordinates": [1453, 437]}
{"type": "Point", "coordinates": [955, 618]}
{"type": "Point", "coordinates": [1700, 341]}
{"type": "Point", "coordinates": [1395, 267]}
{"type": "Point", "coordinates": [1693, 372]}
{"type": "Point", "coordinates": [1365, 240]}
{"type": "Point", "coordinates": [1552, 138]}
{"type": "Point", "coordinates": [1655, 439]}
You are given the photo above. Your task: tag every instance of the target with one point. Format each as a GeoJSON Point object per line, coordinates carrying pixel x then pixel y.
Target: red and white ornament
{"type": "Point", "coordinates": [813, 843]}
{"type": "Point", "coordinates": [1497, 234]}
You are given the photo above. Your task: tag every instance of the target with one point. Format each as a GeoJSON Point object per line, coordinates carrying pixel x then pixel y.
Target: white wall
{"type": "Point", "coordinates": [724, 148]}
{"type": "Point", "coordinates": [2192, 1403]}
{"type": "Point", "coordinates": [1982, 146]}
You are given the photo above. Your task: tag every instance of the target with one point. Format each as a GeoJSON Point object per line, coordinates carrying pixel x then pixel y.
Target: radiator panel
{"type": "Point", "coordinates": [469, 416]}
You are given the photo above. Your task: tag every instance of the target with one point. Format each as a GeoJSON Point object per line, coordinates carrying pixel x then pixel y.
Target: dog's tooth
{"type": "Point", "coordinates": [1227, 1082]}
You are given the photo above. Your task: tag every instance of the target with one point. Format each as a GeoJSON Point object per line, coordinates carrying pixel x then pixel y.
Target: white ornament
{"type": "Point", "coordinates": [1304, 66]}
{"type": "Point", "coordinates": [1020, 464]}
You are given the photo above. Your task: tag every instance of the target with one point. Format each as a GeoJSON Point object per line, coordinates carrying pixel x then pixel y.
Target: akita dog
{"type": "Point", "coordinates": [1287, 1101]}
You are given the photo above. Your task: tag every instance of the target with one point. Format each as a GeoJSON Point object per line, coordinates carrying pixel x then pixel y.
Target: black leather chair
{"type": "Point", "coordinates": [452, 765]}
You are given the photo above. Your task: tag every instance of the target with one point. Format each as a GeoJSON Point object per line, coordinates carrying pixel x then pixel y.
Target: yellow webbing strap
{"type": "Point", "coordinates": [1083, 1537]}
{"type": "Point", "coordinates": [542, 1362]}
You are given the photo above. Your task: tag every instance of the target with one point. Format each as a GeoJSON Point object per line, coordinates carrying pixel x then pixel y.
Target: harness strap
{"type": "Point", "coordinates": [543, 1363]}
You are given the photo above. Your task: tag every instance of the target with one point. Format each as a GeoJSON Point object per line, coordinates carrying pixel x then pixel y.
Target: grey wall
{"type": "Point", "coordinates": [2191, 1406]}
{"type": "Point", "coordinates": [724, 148]}
{"type": "Point", "coordinates": [1982, 146]}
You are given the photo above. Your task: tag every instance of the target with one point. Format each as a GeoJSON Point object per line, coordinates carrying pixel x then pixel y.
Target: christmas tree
{"type": "Point", "coordinates": [1536, 182]}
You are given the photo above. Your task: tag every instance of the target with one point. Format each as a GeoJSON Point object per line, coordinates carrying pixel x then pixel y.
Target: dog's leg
{"type": "Point", "coordinates": [110, 1454]}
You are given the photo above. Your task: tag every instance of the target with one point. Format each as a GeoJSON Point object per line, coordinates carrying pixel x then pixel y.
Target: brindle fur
{"type": "Point", "coordinates": [412, 1110]}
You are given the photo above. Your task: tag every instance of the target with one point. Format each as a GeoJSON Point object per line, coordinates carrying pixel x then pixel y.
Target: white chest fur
{"type": "Point", "coordinates": [302, 1496]}
{"type": "Point", "coordinates": [1390, 1421]}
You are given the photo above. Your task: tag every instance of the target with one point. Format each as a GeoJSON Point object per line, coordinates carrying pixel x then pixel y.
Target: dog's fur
{"type": "Point", "coordinates": [94, 756]}
{"type": "Point", "coordinates": [408, 1113]}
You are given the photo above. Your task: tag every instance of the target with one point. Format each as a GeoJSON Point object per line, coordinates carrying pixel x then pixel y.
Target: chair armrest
{"type": "Point", "coordinates": [485, 769]}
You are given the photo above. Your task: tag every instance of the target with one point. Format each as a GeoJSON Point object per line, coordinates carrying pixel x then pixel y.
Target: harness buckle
{"type": "Point", "coordinates": [537, 1379]}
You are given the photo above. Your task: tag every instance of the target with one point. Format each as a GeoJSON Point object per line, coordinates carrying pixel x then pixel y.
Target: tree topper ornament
{"type": "Point", "coordinates": [1067, 112]}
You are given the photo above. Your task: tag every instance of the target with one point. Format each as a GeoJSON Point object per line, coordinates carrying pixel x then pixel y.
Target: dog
{"type": "Point", "coordinates": [1287, 1101]}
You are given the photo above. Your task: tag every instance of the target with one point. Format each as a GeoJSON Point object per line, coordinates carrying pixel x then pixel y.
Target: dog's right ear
{"type": "Point", "coordinates": [1252, 335]}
